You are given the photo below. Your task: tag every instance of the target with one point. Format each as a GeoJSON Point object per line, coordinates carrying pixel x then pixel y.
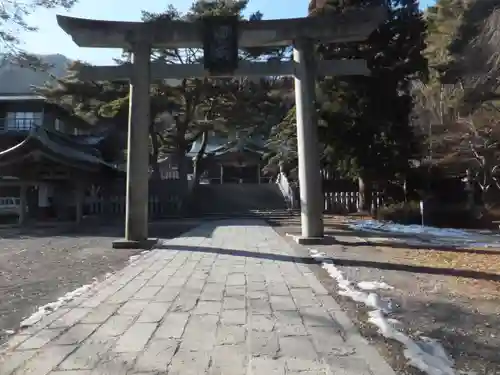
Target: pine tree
{"type": "Point", "coordinates": [368, 132]}
{"type": "Point", "coordinates": [364, 122]}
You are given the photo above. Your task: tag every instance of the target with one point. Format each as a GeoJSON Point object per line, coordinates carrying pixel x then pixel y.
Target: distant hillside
{"type": "Point", "coordinates": [18, 80]}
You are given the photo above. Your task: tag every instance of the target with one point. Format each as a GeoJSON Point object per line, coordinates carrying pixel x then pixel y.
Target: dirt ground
{"type": "Point", "coordinates": [39, 265]}
{"type": "Point", "coordinates": [452, 295]}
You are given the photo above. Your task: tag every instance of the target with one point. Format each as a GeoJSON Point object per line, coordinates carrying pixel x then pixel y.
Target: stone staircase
{"type": "Point", "coordinates": [240, 200]}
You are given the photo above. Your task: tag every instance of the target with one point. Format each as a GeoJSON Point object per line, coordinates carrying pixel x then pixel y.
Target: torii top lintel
{"type": "Point", "coordinates": [351, 26]}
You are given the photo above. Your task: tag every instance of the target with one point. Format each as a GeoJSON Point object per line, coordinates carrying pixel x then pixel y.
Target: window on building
{"type": "Point", "coordinates": [23, 121]}
{"type": "Point", "coordinates": [60, 126]}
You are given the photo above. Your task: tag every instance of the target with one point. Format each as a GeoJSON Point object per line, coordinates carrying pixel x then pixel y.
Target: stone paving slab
{"type": "Point", "coordinates": [229, 297]}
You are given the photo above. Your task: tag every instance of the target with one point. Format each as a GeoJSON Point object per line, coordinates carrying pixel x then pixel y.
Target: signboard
{"type": "Point", "coordinates": [220, 44]}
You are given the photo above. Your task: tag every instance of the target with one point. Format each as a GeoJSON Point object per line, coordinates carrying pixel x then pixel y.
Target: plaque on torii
{"type": "Point", "coordinates": [221, 39]}
{"type": "Point", "coordinates": [220, 44]}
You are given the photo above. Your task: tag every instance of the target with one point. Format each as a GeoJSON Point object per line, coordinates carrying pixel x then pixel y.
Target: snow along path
{"type": "Point", "coordinates": [424, 353]}
{"type": "Point", "coordinates": [49, 308]}
{"type": "Point", "coordinates": [53, 306]}
{"type": "Point", "coordinates": [424, 235]}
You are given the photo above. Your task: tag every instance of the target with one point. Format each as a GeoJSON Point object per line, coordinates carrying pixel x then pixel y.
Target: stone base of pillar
{"type": "Point", "coordinates": [309, 240]}
{"type": "Point", "coordinates": [124, 244]}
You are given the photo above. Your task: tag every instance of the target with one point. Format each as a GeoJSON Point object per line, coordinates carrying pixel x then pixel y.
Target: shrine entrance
{"type": "Point", "coordinates": [236, 174]}
{"type": "Point", "coordinates": [220, 37]}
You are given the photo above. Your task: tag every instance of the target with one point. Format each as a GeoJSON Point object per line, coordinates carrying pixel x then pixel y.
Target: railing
{"type": "Point", "coordinates": [286, 190]}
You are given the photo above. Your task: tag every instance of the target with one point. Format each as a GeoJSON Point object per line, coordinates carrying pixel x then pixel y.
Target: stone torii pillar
{"type": "Point", "coordinates": [137, 185]}
{"type": "Point", "coordinates": [311, 190]}
{"type": "Point", "coordinates": [136, 216]}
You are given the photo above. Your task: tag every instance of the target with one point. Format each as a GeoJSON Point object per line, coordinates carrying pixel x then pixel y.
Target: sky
{"type": "Point", "coordinates": [50, 39]}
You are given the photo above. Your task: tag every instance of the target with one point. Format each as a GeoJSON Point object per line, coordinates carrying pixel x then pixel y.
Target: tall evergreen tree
{"type": "Point", "coordinates": [459, 107]}
{"type": "Point", "coordinates": [364, 122]}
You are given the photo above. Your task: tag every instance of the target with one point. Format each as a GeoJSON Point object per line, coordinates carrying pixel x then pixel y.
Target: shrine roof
{"type": "Point", "coordinates": [57, 147]}
{"type": "Point", "coordinates": [222, 145]}
{"type": "Point", "coordinates": [20, 97]}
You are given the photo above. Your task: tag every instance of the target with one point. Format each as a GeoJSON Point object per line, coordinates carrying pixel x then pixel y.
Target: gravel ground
{"type": "Point", "coordinates": [37, 266]}
{"type": "Point", "coordinates": [463, 313]}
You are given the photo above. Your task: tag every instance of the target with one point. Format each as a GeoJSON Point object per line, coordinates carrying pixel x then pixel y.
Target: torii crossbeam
{"type": "Point", "coordinates": [141, 37]}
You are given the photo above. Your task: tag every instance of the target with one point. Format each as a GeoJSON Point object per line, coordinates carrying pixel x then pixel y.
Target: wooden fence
{"type": "Point", "coordinates": [165, 199]}
{"type": "Point", "coordinates": [345, 202]}
{"type": "Point", "coordinates": [115, 205]}
{"type": "Point", "coordinates": [339, 196]}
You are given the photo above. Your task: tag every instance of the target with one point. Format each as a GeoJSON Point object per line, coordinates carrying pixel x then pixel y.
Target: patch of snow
{"type": "Point", "coordinates": [424, 235]}
{"type": "Point", "coordinates": [53, 306]}
{"type": "Point", "coordinates": [379, 226]}
{"type": "Point", "coordinates": [374, 285]}
{"type": "Point", "coordinates": [424, 353]}
{"type": "Point", "coordinates": [134, 258]}
{"type": "Point", "coordinates": [9, 331]}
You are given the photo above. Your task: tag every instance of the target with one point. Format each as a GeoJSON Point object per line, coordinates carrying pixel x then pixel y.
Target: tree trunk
{"type": "Point", "coordinates": [154, 154]}
{"type": "Point", "coordinates": [198, 160]}
{"type": "Point", "coordinates": [405, 189]}
{"type": "Point", "coordinates": [487, 182]}
{"type": "Point", "coordinates": [469, 187]}
{"type": "Point", "coordinates": [365, 194]}
{"type": "Point", "coordinates": [180, 157]}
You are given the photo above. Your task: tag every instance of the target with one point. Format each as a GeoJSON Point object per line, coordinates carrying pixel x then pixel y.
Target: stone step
{"type": "Point", "coordinates": [236, 199]}
{"type": "Point", "coordinates": [248, 214]}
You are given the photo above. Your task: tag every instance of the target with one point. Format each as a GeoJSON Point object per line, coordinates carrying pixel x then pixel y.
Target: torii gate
{"type": "Point", "coordinates": [141, 37]}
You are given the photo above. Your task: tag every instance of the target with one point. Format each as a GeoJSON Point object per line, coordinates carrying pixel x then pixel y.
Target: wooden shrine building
{"type": "Point", "coordinates": [47, 160]}
{"type": "Point", "coordinates": [232, 161]}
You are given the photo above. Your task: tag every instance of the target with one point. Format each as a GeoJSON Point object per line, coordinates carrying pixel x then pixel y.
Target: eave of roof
{"type": "Point", "coordinates": [219, 145]}
{"type": "Point", "coordinates": [20, 97]}
{"type": "Point", "coordinates": [57, 148]}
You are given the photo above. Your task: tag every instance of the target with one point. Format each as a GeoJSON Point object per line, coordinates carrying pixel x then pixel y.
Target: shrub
{"type": "Point", "coordinates": [450, 217]}
{"type": "Point", "coordinates": [445, 216]}
{"type": "Point", "coordinates": [402, 213]}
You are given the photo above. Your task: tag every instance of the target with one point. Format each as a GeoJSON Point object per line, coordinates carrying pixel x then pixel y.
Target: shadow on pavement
{"type": "Point", "coordinates": [478, 275]}
{"type": "Point", "coordinates": [423, 246]}
{"type": "Point", "coordinates": [167, 229]}
{"type": "Point", "coordinates": [100, 228]}
{"type": "Point", "coordinates": [466, 326]}
{"type": "Point", "coordinates": [331, 238]}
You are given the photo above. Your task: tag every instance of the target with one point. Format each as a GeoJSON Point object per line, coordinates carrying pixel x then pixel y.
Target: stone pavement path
{"type": "Point", "coordinates": [229, 297]}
